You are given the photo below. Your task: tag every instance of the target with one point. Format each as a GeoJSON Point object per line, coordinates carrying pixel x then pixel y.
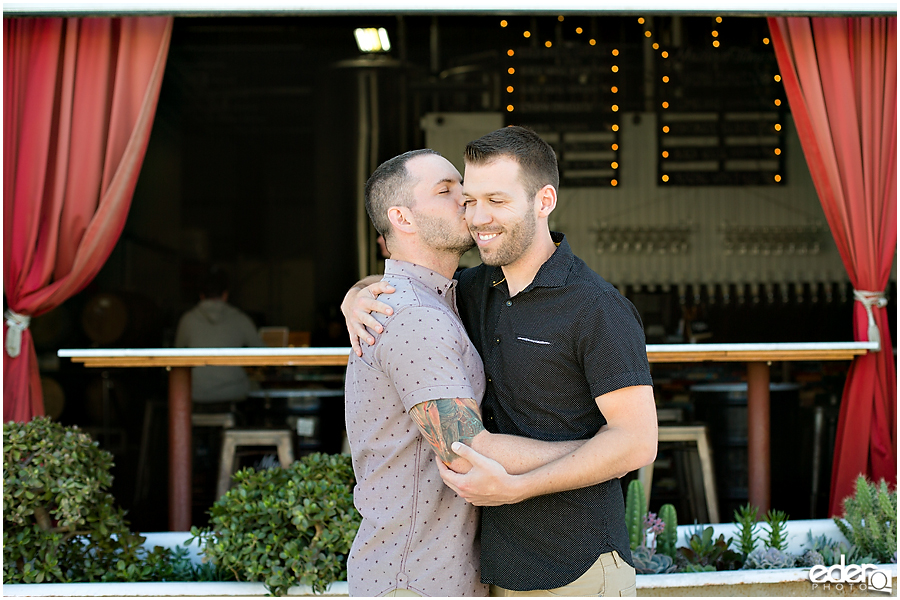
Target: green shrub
{"type": "Point", "coordinates": [285, 526]}
{"type": "Point", "coordinates": [870, 520]}
{"type": "Point", "coordinates": [59, 522]}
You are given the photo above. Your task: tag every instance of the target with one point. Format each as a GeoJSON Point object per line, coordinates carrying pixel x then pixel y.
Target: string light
{"type": "Point", "coordinates": [511, 71]}
{"type": "Point", "coordinates": [614, 90]}
{"type": "Point", "coordinates": [640, 20]}
{"type": "Point", "coordinates": [665, 79]}
{"type": "Point", "coordinates": [560, 18]}
{"type": "Point", "coordinates": [766, 41]}
{"type": "Point", "coordinates": [615, 52]}
{"type": "Point", "coordinates": [647, 33]}
{"type": "Point", "coordinates": [615, 108]}
{"type": "Point", "coordinates": [665, 154]}
{"type": "Point", "coordinates": [615, 127]}
{"type": "Point", "coordinates": [665, 178]}
{"type": "Point", "coordinates": [593, 42]}
{"type": "Point", "coordinates": [509, 108]}
{"type": "Point", "coordinates": [615, 147]}
{"type": "Point", "coordinates": [718, 19]}
{"type": "Point", "coordinates": [777, 126]}
{"type": "Point", "coordinates": [548, 43]}
{"type": "Point", "coordinates": [665, 129]}
{"type": "Point", "coordinates": [615, 69]}
{"type": "Point", "coordinates": [526, 34]}
{"type": "Point", "coordinates": [715, 33]}
{"type": "Point", "coordinates": [509, 89]}
{"type": "Point", "coordinates": [777, 178]}
{"type": "Point", "coordinates": [614, 183]}
{"type": "Point", "coordinates": [614, 165]}
{"type": "Point", "coordinates": [510, 52]}
{"type": "Point", "coordinates": [655, 46]}
{"type": "Point", "coordinates": [579, 30]}
{"type": "Point", "coordinates": [664, 54]}
{"type": "Point", "coordinates": [777, 151]}
{"type": "Point", "coordinates": [665, 105]}
{"type": "Point", "coordinates": [777, 102]}
{"type": "Point", "coordinates": [715, 43]}
{"type": "Point", "coordinates": [503, 23]}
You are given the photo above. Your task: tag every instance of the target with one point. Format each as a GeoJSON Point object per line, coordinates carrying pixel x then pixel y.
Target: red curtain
{"type": "Point", "coordinates": [840, 77]}
{"type": "Point", "coordinates": [79, 96]}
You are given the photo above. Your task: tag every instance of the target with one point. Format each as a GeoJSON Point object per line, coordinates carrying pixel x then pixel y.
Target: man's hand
{"type": "Point", "coordinates": [486, 484]}
{"type": "Point", "coordinates": [357, 306]}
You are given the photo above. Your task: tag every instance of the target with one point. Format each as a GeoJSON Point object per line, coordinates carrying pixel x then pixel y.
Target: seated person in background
{"type": "Point", "coordinates": [213, 323]}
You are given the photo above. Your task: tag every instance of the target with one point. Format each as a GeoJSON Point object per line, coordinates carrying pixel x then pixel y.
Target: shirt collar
{"type": "Point", "coordinates": [553, 272]}
{"type": "Point", "coordinates": [434, 281]}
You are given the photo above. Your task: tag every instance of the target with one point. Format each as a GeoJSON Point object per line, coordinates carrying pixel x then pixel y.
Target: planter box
{"type": "Point", "coordinates": [756, 582]}
{"type": "Point", "coordinates": [765, 582]}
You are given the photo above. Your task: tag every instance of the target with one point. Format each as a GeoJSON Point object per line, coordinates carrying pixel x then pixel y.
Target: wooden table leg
{"type": "Point", "coordinates": [180, 449]}
{"type": "Point", "coordinates": [758, 428]}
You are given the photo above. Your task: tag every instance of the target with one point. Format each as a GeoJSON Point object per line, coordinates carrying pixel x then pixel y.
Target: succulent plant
{"type": "Point", "coordinates": [666, 541]}
{"type": "Point", "coordinates": [770, 558]}
{"type": "Point", "coordinates": [776, 537]}
{"type": "Point", "coordinates": [704, 551]}
{"type": "Point", "coordinates": [635, 503]}
{"type": "Point", "coordinates": [870, 519]}
{"type": "Point", "coordinates": [748, 528]}
{"type": "Point", "coordinates": [647, 561]}
{"type": "Point", "coordinates": [810, 558]}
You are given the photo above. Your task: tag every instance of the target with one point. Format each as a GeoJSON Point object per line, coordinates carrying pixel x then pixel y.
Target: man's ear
{"type": "Point", "coordinates": [401, 218]}
{"type": "Point", "coordinates": [546, 200]}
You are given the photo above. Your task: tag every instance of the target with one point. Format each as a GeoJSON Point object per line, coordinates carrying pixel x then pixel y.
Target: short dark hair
{"type": "Point", "coordinates": [390, 185]}
{"type": "Point", "coordinates": [537, 160]}
{"type": "Point", "coordinates": [214, 283]}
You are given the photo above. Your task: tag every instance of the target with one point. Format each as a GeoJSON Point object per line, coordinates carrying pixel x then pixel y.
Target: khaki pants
{"type": "Point", "coordinates": [609, 576]}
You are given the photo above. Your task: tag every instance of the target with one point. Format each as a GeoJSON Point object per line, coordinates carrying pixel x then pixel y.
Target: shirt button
{"type": "Point", "coordinates": [509, 302]}
{"type": "Point", "coordinates": [497, 340]}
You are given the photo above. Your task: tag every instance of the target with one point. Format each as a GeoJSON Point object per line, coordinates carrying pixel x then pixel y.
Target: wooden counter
{"type": "Point", "coordinates": [179, 360]}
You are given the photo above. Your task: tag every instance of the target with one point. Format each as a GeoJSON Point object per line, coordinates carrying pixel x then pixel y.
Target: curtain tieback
{"type": "Point", "coordinates": [17, 324]}
{"type": "Point", "coordinates": [870, 299]}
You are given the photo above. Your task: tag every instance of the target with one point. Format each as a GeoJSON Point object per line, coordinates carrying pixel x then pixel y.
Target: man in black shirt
{"type": "Point", "coordinates": [565, 359]}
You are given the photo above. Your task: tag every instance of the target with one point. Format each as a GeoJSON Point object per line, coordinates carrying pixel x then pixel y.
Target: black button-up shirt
{"type": "Point", "coordinates": [548, 352]}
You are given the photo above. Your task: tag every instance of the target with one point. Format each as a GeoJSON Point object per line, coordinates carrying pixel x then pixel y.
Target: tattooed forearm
{"type": "Point", "coordinates": [445, 421]}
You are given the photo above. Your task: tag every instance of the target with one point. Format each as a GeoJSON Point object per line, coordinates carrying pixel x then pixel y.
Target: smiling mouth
{"type": "Point", "coordinates": [486, 237]}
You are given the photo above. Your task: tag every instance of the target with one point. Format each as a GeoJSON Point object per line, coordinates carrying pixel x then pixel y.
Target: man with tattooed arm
{"type": "Point", "coordinates": [417, 391]}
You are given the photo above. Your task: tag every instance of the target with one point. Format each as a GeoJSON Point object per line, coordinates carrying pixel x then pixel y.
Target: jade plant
{"type": "Point", "coordinates": [60, 524]}
{"type": "Point", "coordinates": [870, 520]}
{"type": "Point", "coordinates": [284, 526]}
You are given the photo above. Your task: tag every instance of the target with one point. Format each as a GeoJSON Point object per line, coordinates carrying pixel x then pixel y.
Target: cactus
{"type": "Point", "coordinates": [771, 558]}
{"type": "Point", "coordinates": [870, 519]}
{"type": "Point", "coordinates": [666, 541]}
{"type": "Point", "coordinates": [635, 501]}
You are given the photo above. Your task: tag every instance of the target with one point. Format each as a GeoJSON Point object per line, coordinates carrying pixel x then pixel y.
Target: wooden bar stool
{"type": "Point", "coordinates": [233, 438]}
{"type": "Point", "coordinates": [699, 435]}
